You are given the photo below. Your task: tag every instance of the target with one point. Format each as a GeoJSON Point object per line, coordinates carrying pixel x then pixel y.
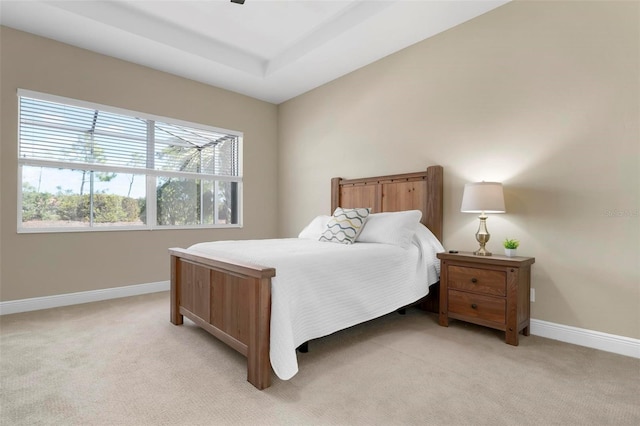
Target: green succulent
{"type": "Point", "coordinates": [511, 244]}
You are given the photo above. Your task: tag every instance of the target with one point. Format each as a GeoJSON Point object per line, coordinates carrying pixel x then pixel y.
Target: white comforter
{"type": "Point", "coordinates": [322, 287]}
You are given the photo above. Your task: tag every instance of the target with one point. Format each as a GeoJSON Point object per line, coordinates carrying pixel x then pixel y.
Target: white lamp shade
{"type": "Point", "coordinates": [483, 197]}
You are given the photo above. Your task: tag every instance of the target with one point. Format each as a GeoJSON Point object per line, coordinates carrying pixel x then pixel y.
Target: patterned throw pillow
{"type": "Point", "coordinates": [345, 225]}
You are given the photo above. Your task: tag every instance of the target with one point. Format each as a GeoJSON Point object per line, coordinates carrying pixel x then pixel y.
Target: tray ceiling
{"type": "Point", "coordinates": [270, 50]}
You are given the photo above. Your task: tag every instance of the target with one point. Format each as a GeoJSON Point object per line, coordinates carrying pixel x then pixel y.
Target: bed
{"type": "Point", "coordinates": [228, 290]}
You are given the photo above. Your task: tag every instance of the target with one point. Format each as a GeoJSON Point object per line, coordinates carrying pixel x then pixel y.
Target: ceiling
{"type": "Point", "coordinates": [270, 50]}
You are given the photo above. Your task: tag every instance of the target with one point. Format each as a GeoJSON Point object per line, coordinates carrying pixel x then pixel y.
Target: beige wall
{"type": "Point", "coordinates": [34, 265]}
{"type": "Point", "coordinates": [542, 96]}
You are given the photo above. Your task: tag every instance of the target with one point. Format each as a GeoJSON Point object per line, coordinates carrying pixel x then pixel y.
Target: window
{"type": "Point", "coordinates": [89, 167]}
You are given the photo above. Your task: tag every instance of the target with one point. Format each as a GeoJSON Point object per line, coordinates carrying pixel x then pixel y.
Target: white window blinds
{"type": "Point", "coordinates": [59, 132]}
{"type": "Point", "coordinates": [84, 165]}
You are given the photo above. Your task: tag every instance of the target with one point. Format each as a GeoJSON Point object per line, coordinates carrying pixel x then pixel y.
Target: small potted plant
{"type": "Point", "coordinates": [511, 247]}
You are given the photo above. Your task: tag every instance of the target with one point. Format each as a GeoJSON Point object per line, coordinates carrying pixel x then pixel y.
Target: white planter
{"type": "Point", "coordinates": [511, 252]}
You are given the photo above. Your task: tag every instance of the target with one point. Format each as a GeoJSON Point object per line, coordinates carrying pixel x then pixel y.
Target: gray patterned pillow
{"type": "Point", "coordinates": [345, 225]}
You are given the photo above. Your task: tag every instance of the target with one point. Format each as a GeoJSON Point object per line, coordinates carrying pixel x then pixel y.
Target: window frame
{"type": "Point", "coordinates": [151, 174]}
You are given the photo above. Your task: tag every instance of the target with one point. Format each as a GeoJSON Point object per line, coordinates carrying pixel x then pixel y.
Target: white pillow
{"type": "Point", "coordinates": [315, 228]}
{"type": "Point", "coordinates": [395, 228]}
{"type": "Point", "coordinates": [345, 225]}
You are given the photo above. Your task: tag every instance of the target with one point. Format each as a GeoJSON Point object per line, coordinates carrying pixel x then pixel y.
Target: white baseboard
{"type": "Point", "coordinates": [47, 302]}
{"type": "Point", "coordinates": [564, 333]}
{"type": "Point", "coordinates": [589, 338]}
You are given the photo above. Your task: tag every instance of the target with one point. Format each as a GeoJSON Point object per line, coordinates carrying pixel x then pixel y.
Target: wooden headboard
{"type": "Point", "coordinates": [410, 191]}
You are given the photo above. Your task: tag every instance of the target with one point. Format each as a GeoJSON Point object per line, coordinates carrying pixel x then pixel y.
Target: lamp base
{"type": "Point", "coordinates": [482, 236]}
{"type": "Point", "coordinates": [482, 252]}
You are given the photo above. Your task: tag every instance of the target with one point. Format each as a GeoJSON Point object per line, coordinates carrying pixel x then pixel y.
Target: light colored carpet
{"type": "Point", "coordinates": [121, 362]}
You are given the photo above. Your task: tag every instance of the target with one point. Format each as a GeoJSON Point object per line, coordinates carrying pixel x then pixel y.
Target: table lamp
{"type": "Point", "coordinates": [483, 197]}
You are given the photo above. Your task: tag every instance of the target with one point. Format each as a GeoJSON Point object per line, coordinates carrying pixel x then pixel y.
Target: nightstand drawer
{"type": "Point", "coordinates": [478, 280]}
{"type": "Point", "coordinates": [477, 306]}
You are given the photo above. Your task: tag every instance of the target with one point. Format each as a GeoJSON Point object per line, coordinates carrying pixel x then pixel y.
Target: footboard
{"type": "Point", "coordinates": [230, 300]}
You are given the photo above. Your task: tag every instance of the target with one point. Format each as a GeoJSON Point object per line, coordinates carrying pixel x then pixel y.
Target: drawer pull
{"type": "Point", "coordinates": [474, 280]}
{"type": "Point", "coordinates": [474, 306]}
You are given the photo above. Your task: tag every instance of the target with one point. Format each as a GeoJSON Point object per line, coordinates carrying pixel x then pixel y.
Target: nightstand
{"type": "Point", "coordinates": [492, 291]}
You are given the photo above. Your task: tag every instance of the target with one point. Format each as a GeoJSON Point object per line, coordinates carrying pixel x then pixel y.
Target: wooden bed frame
{"type": "Point", "coordinates": [232, 300]}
